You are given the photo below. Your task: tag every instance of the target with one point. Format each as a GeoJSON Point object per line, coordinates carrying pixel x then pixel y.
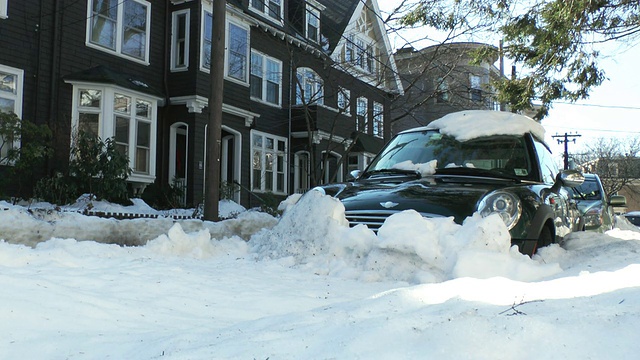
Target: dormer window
{"type": "Point", "coordinates": [313, 24]}
{"type": "Point", "coordinates": [270, 8]}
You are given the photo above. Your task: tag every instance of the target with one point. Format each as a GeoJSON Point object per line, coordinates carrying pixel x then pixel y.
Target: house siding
{"type": "Point", "coordinates": [48, 41]}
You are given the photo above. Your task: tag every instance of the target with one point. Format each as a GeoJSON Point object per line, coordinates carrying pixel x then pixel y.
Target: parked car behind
{"type": "Point", "coordinates": [633, 217]}
{"type": "Point", "coordinates": [594, 205]}
{"type": "Point", "coordinates": [481, 161]}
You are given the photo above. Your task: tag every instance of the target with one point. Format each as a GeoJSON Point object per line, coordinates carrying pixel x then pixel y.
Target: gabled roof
{"type": "Point", "coordinates": [104, 75]}
{"type": "Point", "coordinates": [336, 18]}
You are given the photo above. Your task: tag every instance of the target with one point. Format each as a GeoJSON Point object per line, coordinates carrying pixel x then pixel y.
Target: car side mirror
{"type": "Point", "coordinates": [618, 200]}
{"type": "Point", "coordinates": [568, 178]}
{"type": "Point", "coordinates": [354, 175]}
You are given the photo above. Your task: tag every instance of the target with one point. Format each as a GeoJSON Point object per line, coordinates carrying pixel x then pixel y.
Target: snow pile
{"type": "Point", "coordinates": [425, 169]}
{"type": "Point", "coordinates": [470, 124]}
{"type": "Point", "coordinates": [314, 235]}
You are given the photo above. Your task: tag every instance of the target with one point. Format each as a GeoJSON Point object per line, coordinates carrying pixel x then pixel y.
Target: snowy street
{"type": "Point", "coordinates": [309, 287]}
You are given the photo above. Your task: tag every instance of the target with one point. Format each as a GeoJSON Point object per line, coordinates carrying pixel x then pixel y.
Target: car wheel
{"type": "Point", "coordinates": [545, 238]}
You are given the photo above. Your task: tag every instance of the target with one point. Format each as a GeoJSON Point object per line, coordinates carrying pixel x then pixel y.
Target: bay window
{"type": "Point", "coordinates": [129, 118]}
{"type": "Point", "coordinates": [11, 83]}
{"type": "Point", "coordinates": [269, 163]}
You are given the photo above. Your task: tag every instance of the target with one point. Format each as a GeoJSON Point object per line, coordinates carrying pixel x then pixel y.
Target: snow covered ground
{"type": "Point", "coordinates": [306, 286]}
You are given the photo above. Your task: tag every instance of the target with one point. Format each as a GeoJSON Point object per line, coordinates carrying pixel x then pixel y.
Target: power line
{"type": "Point", "coordinates": [600, 105]}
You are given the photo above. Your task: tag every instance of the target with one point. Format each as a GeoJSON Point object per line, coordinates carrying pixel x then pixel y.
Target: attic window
{"type": "Point", "coordinates": [313, 24]}
{"type": "Point", "coordinates": [270, 8]}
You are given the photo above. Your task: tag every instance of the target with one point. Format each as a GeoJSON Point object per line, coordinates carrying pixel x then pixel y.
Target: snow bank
{"type": "Point", "coordinates": [314, 235]}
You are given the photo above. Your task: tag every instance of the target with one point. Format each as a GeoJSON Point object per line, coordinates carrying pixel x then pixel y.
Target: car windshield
{"type": "Point", "coordinates": [429, 152]}
{"type": "Point", "coordinates": [589, 190]}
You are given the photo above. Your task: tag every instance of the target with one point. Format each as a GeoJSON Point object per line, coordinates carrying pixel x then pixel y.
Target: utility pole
{"type": "Point", "coordinates": [214, 128]}
{"type": "Point", "coordinates": [565, 139]}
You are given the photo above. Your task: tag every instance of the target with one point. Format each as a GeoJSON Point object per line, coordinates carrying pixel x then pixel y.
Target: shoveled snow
{"type": "Point", "coordinates": [470, 124]}
{"type": "Point", "coordinates": [306, 286]}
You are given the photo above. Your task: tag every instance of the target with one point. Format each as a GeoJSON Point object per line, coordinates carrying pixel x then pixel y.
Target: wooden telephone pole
{"type": "Point", "coordinates": [214, 127]}
{"type": "Point", "coordinates": [565, 139]}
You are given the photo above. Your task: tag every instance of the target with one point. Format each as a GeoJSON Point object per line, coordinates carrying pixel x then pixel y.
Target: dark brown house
{"type": "Point", "coordinates": [307, 92]}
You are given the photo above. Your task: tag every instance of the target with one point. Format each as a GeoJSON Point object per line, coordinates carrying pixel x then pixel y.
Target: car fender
{"type": "Point", "coordinates": [539, 220]}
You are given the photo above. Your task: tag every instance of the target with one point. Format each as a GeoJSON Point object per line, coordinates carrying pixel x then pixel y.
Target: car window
{"type": "Point", "coordinates": [502, 154]}
{"type": "Point", "coordinates": [589, 190]}
{"type": "Point", "coordinates": [548, 167]}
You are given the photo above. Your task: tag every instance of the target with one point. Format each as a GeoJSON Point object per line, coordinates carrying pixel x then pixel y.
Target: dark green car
{"type": "Point", "coordinates": [594, 204]}
{"type": "Point", "coordinates": [473, 161]}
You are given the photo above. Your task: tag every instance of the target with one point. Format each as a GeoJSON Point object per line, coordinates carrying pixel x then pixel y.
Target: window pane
{"type": "Point", "coordinates": [90, 98]}
{"type": "Point", "coordinates": [7, 105]}
{"type": "Point", "coordinates": [88, 123]}
{"type": "Point", "coordinates": [8, 82]}
{"type": "Point", "coordinates": [258, 4]}
{"type": "Point", "coordinates": [269, 143]}
{"type": "Point", "coordinates": [237, 52]}
{"type": "Point", "coordinates": [134, 29]}
{"type": "Point", "coordinates": [273, 93]}
{"type": "Point", "coordinates": [143, 109]}
{"type": "Point", "coordinates": [103, 23]}
{"type": "Point", "coordinates": [257, 141]}
{"type": "Point", "coordinates": [142, 160]}
{"type": "Point", "coordinates": [122, 104]}
{"type": "Point", "coordinates": [256, 86]}
{"type": "Point", "coordinates": [122, 135]}
{"type": "Point", "coordinates": [206, 45]}
{"type": "Point", "coordinates": [144, 134]}
{"type": "Point", "coordinates": [274, 9]}
{"type": "Point", "coordinates": [122, 130]}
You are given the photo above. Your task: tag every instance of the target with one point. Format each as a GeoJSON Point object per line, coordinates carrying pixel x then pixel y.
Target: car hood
{"type": "Point", "coordinates": [431, 197]}
{"type": "Point", "coordinates": [586, 205]}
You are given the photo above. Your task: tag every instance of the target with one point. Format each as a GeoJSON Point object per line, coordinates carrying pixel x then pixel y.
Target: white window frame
{"type": "Point", "coordinates": [266, 10]}
{"type": "Point", "coordinates": [4, 6]}
{"type": "Point", "coordinates": [119, 31]}
{"type": "Point", "coordinates": [361, 52]}
{"type": "Point", "coordinates": [175, 41]}
{"type": "Point", "coordinates": [378, 120]}
{"type": "Point", "coordinates": [309, 82]}
{"type": "Point", "coordinates": [362, 114]}
{"type": "Point", "coordinates": [17, 97]}
{"type": "Point", "coordinates": [247, 52]}
{"type": "Point", "coordinates": [312, 13]}
{"type": "Point", "coordinates": [267, 77]}
{"type": "Point", "coordinates": [107, 118]}
{"type": "Point", "coordinates": [344, 101]}
{"type": "Point", "coordinates": [279, 162]}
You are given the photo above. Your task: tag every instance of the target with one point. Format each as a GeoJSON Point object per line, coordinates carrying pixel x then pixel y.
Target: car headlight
{"type": "Point", "coordinates": [505, 204]}
{"type": "Point", "coordinates": [593, 217]}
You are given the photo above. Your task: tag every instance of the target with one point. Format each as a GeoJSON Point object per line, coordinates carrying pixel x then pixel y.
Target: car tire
{"type": "Point", "coordinates": [545, 238]}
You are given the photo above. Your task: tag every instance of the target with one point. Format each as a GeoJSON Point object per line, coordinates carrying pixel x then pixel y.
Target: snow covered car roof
{"type": "Point", "coordinates": [471, 124]}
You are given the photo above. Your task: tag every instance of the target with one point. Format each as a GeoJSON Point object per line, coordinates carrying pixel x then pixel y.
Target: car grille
{"type": "Point", "coordinates": [373, 219]}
